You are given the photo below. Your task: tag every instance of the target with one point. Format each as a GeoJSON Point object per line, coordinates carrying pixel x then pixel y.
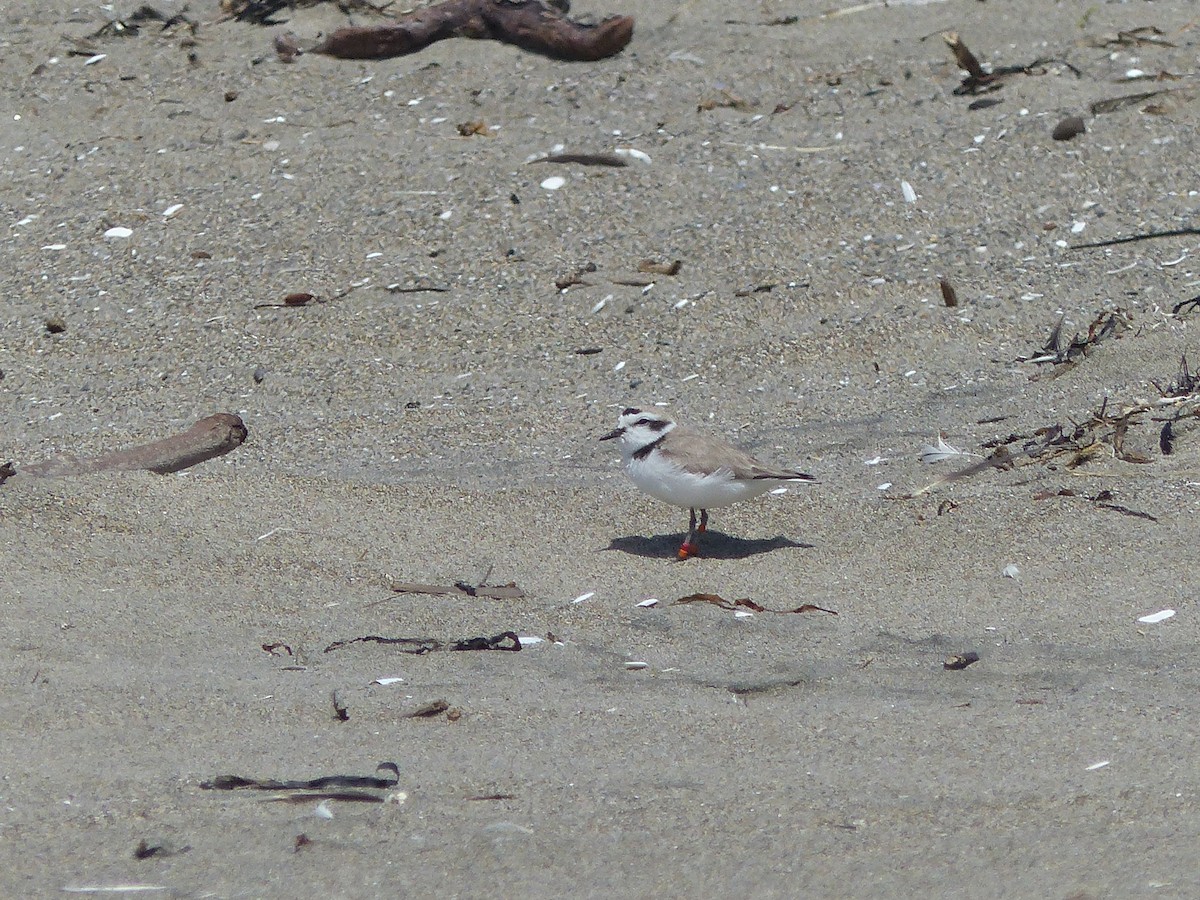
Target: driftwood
{"type": "Point", "coordinates": [211, 437]}
{"type": "Point", "coordinates": [529, 24]}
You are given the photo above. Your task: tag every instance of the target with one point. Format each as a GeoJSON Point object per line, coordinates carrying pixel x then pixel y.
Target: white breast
{"type": "Point", "coordinates": [663, 480]}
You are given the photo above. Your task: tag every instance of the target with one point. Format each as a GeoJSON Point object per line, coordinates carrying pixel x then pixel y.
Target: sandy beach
{"type": "Point", "coordinates": [432, 416]}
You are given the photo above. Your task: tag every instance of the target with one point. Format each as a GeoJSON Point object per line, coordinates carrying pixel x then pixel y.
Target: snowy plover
{"type": "Point", "coordinates": [688, 468]}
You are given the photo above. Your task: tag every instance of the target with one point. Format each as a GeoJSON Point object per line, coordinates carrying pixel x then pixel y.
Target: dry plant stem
{"type": "Point", "coordinates": [211, 437]}
{"type": "Point", "coordinates": [529, 24]}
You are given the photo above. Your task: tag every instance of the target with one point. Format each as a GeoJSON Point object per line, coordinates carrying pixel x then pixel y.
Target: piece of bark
{"type": "Point", "coordinates": [529, 24]}
{"type": "Point", "coordinates": [211, 437]}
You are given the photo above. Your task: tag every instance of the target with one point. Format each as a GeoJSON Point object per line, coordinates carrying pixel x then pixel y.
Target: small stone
{"type": "Point", "coordinates": [259, 374]}
{"type": "Point", "coordinates": [1068, 128]}
{"type": "Point", "coordinates": [56, 325]}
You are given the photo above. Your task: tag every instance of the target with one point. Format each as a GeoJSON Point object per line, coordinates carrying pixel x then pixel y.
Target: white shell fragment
{"type": "Point", "coordinates": [1155, 618]}
{"type": "Point", "coordinates": [910, 196]}
{"type": "Point", "coordinates": [1098, 765]}
{"type": "Point", "coordinates": [118, 232]}
{"type": "Point", "coordinates": [633, 153]}
{"type": "Point", "coordinates": [528, 640]}
{"type": "Point", "coordinates": [386, 681]}
{"type": "Point", "coordinates": [1011, 571]}
{"type": "Point", "coordinates": [323, 811]}
{"type": "Point", "coordinates": [554, 182]}
{"type": "Point", "coordinates": [743, 614]}
{"type": "Point", "coordinates": [171, 210]}
{"type": "Point", "coordinates": [649, 602]}
{"type": "Point", "coordinates": [92, 60]}
{"type": "Point", "coordinates": [636, 666]}
{"type": "Point", "coordinates": [588, 596]}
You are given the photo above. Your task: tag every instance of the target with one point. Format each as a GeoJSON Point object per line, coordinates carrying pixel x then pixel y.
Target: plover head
{"type": "Point", "coordinates": [638, 429]}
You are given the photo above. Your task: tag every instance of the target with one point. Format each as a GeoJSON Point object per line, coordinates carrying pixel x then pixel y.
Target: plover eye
{"type": "Point", "coordinates": [643, 421]}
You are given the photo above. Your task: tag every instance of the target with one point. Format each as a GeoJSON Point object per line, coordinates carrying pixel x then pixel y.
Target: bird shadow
{"type": "Point", "coordinates": [713, 545]}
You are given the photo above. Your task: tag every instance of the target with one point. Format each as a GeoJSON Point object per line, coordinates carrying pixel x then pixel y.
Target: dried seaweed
{"type": "Point", "coordinates": [979, 80]}
{"type": "Point", "coordinates": [341, 711]}
{"type": "Point", "coordinates": [584, 159]}
{"type": "Point", "coordinates": [160, 849]}
{"type": "Point", "coordinates": [1174, 232]}
{"type": "Point", "coordinates": [1179, 307]}
{"type": "Point", "coordinates": [506, 640]}
{"type": "Point", "coordinates": [960, 661]}
{"type": "Point", "coordinates": [1101, 433]}
{"type": "Point", "coordinates": [428, 710]}
{"type": "Point", "coordinates": [508, 591]}
{"type": "Point", "coordinates": [1184, 384]}
{"type": "Point", "coordinates": [323, 783]}
{"type": "Point", "coordinates": [1134, 37]}
{"type": "Point", "coordinates": [131, 25]}
{"type": "Point", "coordinates": [747, 604]}
{"type": "Point", "coordinates": [1056, 351]}
{"type": "Point", "coordinates": [1112, 104]}
{"type": "Point", "coordinates": [1166, 439]}
{"type": "Point", "coordinates": [1103, 500]}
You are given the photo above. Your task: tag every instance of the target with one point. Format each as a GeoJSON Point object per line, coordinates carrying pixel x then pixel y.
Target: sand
{"type": "Point", "coordinates": [451, 436]}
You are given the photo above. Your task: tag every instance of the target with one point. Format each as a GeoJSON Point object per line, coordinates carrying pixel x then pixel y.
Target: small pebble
{"type": "Point", "coordinates": [1070, 127]}
{"type": "Point", "coordinates": [960, 661]}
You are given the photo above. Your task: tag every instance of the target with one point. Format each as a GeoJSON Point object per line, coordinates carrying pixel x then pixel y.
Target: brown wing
{"type": "Point", "coordinates": [702, 454]}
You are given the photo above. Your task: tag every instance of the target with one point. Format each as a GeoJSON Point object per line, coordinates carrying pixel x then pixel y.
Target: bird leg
{"type": "Point", "coordinates": [690, 547]}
